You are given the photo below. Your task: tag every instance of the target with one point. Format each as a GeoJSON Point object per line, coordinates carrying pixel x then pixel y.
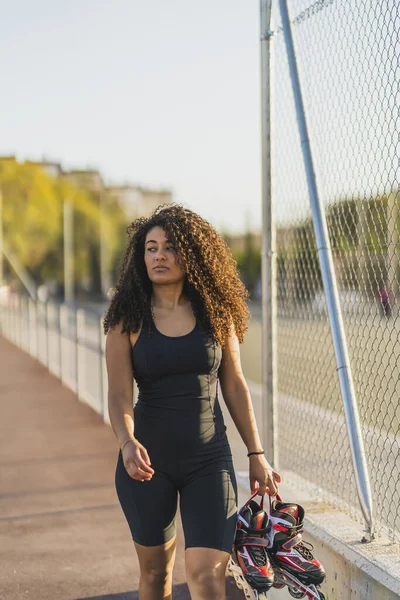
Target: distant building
{"type": "Point", "coordinates": [88, 178]}
{"type": "Point", "coordinates": [151, 199]}
{"type": "Point", "coordinates": [138, 201]}
{"type": "Point", "coordinates": [128, 197]}
{"type": "Point", "coordinates": [52, 169]}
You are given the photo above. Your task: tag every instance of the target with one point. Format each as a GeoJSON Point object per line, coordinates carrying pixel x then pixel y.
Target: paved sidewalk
{"type": "Point", "coordinates": [63, 534]}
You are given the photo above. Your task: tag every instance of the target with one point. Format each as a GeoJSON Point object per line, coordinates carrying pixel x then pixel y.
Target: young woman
{"type": "Point", "coordinates": [174, 324]}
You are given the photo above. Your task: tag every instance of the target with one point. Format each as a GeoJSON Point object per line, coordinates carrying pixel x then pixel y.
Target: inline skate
{"type": "Point", "coordinates": [249, 563]}
{"type": "Point", "coordinates": [293, 563]}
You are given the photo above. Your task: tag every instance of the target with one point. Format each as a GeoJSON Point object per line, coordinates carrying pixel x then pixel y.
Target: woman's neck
{"type": "Point", "coordinates": [168, 296]}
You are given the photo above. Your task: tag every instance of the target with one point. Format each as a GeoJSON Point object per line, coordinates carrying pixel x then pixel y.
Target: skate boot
{"type": "Point", "coordinates": [249, 563]}
{"type": "Point", "coordinates": [293, 562]}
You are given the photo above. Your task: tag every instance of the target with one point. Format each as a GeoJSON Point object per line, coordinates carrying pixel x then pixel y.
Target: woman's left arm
{"type": "Point", "coordinates": [238, 401]}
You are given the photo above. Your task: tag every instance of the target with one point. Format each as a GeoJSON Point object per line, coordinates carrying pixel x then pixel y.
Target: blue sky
{"type": "Point", "coordinates": [155, 93]}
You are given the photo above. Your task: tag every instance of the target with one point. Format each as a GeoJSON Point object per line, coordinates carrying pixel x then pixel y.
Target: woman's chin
{"type": "Point", "coordinates": [161, 276]}
{"type": "Point", "coordinates": [164, 278]}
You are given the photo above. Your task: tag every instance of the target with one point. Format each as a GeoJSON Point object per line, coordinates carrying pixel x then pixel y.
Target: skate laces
{"type": "Point", "coordinates": [305, 549]}
{"type": "Point", "coordinates": [259, 556]}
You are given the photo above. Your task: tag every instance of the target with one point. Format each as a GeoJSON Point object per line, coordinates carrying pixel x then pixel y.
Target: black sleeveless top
{"type": "Point", "coordinates": [178, 398]}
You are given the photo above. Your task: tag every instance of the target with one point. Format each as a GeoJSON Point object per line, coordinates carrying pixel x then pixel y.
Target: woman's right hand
{"type": "Point", "coordinates": [136, 461]}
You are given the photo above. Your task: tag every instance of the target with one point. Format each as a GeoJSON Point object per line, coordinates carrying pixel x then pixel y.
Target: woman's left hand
{"type": "Point", "coordinates": [261, 472]}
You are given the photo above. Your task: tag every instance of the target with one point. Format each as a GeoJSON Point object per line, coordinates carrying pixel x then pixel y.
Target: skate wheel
{"type": "Point", "coordinates": [239, 585]}
{"type": "Point", "coordinates": [278, 586]}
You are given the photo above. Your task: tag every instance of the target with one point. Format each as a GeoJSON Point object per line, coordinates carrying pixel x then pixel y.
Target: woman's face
{"type": "Point", "coordinates": [160, 258]}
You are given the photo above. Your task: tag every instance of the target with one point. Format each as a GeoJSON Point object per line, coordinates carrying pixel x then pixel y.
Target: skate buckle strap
{"type": "Point", "coordinates": [293, 530]}
{"type": "Point", "coordinates": [252, 541]}
{"type": "Point", "coordinates": [292, 542]}
{"type": "Point", "coordinates": [258, 532]}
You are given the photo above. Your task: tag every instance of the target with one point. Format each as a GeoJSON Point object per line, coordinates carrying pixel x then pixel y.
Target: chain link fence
{"type": "Point", "coordinates": [348, 57]}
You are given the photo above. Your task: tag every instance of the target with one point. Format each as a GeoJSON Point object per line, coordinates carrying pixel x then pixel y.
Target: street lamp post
{"type": "Point", "coordinates": [68, 252]}
{"type": "Point", "coordinates": [1, 239]}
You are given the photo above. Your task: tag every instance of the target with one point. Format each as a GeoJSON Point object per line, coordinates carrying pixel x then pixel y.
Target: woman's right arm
{"type": "Point", "coordinates": [120, 403]}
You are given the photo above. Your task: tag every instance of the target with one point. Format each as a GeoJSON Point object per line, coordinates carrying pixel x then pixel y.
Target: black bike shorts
{"type": "Point", "coordinates": [207, 502]}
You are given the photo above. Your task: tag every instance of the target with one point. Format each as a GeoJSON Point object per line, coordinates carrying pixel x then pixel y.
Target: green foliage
{"type": "Point", "coordinates": [33, 224]}
{"type": "Point", "coordinates": [31, 212]}
{"type": "Point", "coordinates": [33, 205]}
{"type": "Point", "coordinates": [248, 260]}
{"type": "Point", "coordinates": [298, 269]}
{"type": "Point", "coordinates": [307, 274]}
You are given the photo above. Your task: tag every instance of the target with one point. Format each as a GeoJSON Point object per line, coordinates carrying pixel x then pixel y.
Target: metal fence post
{"type": "Point", "coordinates": [58, 321]}
{"type": "Point", "coordinates": [18, 314]}
{"type": "Point", "coordinates": [24, 324]}
{"type": "Point", "coordinates": [268, 255]}
{"type": "Point", "coordinates": [32, 327]}
{"type": "Point", "coordinates": [63, 328]}
{"type": "Point", "coordinates": [103, 372]}
{"type": "Point", "coordinates": [14, 319]}
{"type": "Point", "coordinates": [46, 333]}
{"type": "Point", "coordinates": [80, 369]}
{"type": "Point", "coordinates": [330, 286]}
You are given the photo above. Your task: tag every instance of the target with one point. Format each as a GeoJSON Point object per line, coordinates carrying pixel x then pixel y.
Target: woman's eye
{"type": "Point", "coordinates": [154, 249]}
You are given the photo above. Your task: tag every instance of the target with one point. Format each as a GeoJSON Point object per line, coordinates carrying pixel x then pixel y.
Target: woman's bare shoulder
{"type": "Point", "coordinates": [131, 337]}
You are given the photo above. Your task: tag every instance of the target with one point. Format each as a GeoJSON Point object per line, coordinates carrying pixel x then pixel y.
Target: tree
{"type": "Point", "coordinates": [33, 205]}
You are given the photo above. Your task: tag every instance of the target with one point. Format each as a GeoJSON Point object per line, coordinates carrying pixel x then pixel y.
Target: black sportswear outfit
{"type": "Point", "coordinates": [179, 421]}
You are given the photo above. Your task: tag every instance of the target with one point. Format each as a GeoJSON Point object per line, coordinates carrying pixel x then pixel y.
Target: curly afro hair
{"type": "Point", "coordinates": [212, 283]}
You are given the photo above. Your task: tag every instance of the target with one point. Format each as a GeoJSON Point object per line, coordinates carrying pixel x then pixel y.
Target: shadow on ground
{"type": "Point", "coordinates": [180, 592]}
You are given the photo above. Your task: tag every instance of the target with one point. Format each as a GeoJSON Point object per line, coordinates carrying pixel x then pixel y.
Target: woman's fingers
{"type": "Point", "coordinates": [262, 489]}
{"type": "Point", "coordinates": [142, 463]}
{"type": "Point", "coordinates": [253, 484]}
{"type": "Point", "coordinates": [261, 473]}
{"type": "Point", "coordinates": [270, 486]}
{"type": "Point", "coordinates": [258, 486]}
{"type": "Point", "coordinates": [136, 462]}
{"type": "Point", "coordinates": [136, 472]}
{"type": "Point", "coordinates": [276, 476]}
{"type": "Point", "coordinates": [146, 456]}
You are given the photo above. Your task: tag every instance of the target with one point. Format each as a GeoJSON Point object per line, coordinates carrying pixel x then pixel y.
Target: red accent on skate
{"type": "Point", "coordinates": [293, 511]}
{"type": "Point", "coordinates": [278, 527]}
{"type": "Point", "coordinates": [316, 563]}
{"type": "Point", "coordinates": [259, 521]}
{"type": "Point", "coordinates": [286, 559]}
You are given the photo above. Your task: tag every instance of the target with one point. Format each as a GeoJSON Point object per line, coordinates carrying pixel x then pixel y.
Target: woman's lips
{"type": "Point", "coordinates": [160, 268]}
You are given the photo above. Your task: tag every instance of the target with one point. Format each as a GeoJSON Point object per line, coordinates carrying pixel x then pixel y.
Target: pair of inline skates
{"type": "Point", "coordinates": [269, 551]}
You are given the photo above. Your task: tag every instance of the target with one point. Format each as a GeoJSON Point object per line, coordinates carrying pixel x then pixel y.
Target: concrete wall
{"type": "Point", "coordinates": [354, 571]}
